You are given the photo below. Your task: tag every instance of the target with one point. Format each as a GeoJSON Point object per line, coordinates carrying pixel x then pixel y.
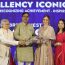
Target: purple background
{"type": "Point", "coordinates": [34, 17]}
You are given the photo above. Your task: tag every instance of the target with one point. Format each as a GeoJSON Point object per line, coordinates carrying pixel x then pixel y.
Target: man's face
{"type": "Point", "coordinates": [25, 18]}
{"type": "Point", "coordinates": [6, 25]}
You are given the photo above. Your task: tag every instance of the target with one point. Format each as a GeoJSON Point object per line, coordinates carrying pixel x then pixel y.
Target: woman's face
{"type": "Point", "coordinates": [46, 21]}
{"type": "Point", "coordinates": [61, 25]}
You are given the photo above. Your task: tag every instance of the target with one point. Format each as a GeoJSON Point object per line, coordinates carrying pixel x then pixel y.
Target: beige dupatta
{"type": "Point", "coordinates": [44, 55]}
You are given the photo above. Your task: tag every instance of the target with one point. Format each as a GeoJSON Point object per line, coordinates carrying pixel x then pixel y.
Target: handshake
{"type": "Point", "coordinates": [24, 42]}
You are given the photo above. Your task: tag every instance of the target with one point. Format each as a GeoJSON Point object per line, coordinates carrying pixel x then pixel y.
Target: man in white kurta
{"type": "Point", "coordinates": [6, 40]}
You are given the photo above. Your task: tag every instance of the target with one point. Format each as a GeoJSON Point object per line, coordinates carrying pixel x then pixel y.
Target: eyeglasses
{"type": "Point", "coordinates": [7, 24]}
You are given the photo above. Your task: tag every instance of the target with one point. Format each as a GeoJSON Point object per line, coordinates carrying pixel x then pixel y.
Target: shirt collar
{"type": "Point", "coordinates": [24, 24]}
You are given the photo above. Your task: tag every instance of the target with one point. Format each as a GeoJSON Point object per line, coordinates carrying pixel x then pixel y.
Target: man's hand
{"type": "Point", "coordinates": [22, 43]}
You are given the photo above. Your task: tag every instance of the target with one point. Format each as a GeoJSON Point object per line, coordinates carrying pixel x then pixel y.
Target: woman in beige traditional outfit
{"type": "Point", "coordinates": [43, 54]}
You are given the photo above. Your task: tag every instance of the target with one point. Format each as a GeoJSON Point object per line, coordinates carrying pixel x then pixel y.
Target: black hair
{"type": "Point", "coordinates": [46, 16]}
{"type": "Point", "coordinates": [64, 25]}
{"type": "Point", "coordinates": [25, 13]}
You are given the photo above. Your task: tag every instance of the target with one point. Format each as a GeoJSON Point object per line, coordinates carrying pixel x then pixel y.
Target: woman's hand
{"type": "Point", "coordinates": [57, 44]}
{"type": "Point", "coordinates": [38, 41]}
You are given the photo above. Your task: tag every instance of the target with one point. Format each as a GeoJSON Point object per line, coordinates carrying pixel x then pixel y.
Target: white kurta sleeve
{"type": "Point", "coordinates": [7, 41]}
